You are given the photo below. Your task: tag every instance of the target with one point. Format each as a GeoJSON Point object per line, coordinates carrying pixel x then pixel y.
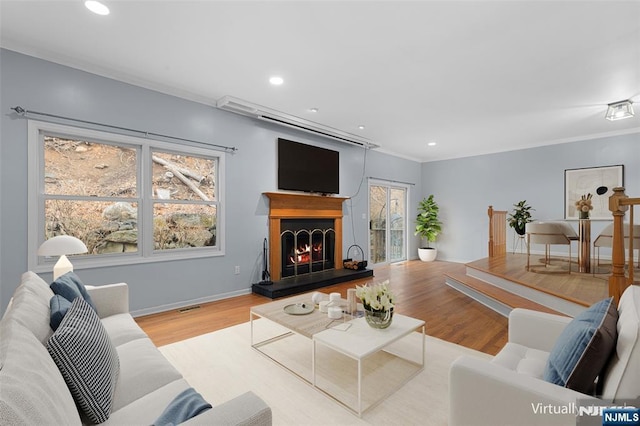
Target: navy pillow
{"type": "Point", "coordinates": [69, 286]}
{"type": "Point", "coordinates": [583, 348]}
{"type": "Point", "coordinates": [59, 307]}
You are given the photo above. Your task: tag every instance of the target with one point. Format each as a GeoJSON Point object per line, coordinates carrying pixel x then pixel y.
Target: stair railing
{"type": "Point", "coordinates": [619, 203]}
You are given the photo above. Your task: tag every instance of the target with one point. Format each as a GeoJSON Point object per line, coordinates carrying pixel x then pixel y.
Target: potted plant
{"type": "Point", "coordinates": [520, 216]}
{"type": "Point", "coordinates": [428, 227]}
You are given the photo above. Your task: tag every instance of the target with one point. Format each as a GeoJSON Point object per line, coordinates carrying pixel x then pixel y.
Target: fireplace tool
{"type": "Point", "coordinates": [266, 276]}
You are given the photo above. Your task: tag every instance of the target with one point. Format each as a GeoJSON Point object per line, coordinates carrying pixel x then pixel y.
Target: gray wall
{"type": "Point", "coordinates": [43, 86]}
{"type": "Point", "coordinates": [464, 188]}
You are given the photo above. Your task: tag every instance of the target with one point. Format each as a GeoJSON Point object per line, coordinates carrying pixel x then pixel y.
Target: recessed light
{"type": "Point", "coordinates": [432, 144]}
{"type": "Point", "coordinates": [361, 127]}
{"type": "Point", "coordinates": [276, 81]}
{"type": "Point", "coordinates": [96, 7]}
{"type": "Point", "coordinates": [313, 109]}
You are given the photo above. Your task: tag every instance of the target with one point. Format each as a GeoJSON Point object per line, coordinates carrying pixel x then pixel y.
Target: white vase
{"type": "Point", "coordinates": [427, 254]}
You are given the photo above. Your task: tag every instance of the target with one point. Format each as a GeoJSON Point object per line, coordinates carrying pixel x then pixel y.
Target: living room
{"type": "Point", "coordinates": [464, 185]}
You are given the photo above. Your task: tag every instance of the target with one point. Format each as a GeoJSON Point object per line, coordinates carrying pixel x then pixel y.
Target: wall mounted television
{"type": "Point", "coordinates": [307, 168]}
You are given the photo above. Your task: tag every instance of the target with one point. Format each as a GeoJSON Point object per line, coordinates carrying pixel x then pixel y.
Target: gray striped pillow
{"type": "Point", "coordinates": [87, 359]}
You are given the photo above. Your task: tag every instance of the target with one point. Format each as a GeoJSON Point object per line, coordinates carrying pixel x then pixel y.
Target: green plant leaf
{"type": "Point", "coordinates": [427, 224]}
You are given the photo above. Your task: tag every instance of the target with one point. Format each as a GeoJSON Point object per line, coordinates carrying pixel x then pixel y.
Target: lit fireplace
{"type": "Point", "coordinates": [298, 208]}
{"type": "Point", "coordinates": [307, 246]}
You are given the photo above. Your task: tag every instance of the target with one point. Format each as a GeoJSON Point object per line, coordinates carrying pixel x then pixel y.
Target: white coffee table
{"type": "Point", "coordinates": [352, 348]}
{"type": "Point", "coordinates": [360, 342]}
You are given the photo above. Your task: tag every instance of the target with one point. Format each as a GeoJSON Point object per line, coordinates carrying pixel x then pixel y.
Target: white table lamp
{"type": "Point", "coordinates": [61, 246]}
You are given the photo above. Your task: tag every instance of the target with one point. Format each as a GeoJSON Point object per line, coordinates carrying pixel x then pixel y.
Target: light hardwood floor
{"type": "Point", "coordinates": [420, 292]}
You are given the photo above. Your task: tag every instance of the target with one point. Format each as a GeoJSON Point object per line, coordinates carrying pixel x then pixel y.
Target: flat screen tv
{"type": "Point", "coordinates": [307, 168]}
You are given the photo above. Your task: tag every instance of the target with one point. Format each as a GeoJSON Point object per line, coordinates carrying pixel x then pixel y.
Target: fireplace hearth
{"type": "Point", "coordinates": [309, 282]}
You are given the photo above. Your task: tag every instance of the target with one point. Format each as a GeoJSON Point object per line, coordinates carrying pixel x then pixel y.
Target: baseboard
{"type": "Point", "coordinates": [179, 305]}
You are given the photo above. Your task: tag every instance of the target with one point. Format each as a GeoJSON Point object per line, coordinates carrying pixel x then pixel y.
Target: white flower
{"type": "Point", "coordinates": [376, 297]}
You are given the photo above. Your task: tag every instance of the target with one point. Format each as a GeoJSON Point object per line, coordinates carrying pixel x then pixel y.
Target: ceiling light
{"type": "Point", "coordinates": [432, 144]}
{"type": "Point", "coordinates": [313, 109]}
{"type": "Point", "coordinates": [96, 7]}
{"type": "Point", "coordinates": [361, 127]}
{"type": "Point", "coordinates": [619, 110]}
{"type": "Point", "coordinates": [276, 81]}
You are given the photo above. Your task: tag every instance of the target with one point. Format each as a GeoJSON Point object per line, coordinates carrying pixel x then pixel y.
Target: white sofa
{"type": "Point", "coordinates": [34, 392]}
{"type": "Point", "coordinates": [509, 389]}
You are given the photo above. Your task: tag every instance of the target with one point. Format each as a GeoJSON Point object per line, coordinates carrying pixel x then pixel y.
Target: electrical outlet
{"type": "Point", "coordinates": [237, 271]}
{"type": "Point", "coordinates": [364, 216]}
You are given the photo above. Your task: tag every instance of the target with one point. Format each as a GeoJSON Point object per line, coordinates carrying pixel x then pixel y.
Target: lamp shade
{"type": "Point", "coordinates": [62, 244]}
{"type": "Point", "coordinates": [619, 110]}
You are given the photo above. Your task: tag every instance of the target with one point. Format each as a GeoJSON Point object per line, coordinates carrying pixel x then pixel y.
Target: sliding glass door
{"type": "Point", "coordinates": [387, 222]}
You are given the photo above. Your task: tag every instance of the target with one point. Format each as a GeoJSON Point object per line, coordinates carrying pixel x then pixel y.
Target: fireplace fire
{"type": "Point", "coordinates": [307, 246]}
{"type": "Point", "coordinates": [306, 254]}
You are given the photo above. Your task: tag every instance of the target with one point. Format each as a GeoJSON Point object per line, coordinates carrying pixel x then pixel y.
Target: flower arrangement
{"type": "Point", "coordinates": [377, 297]}
{"type": "Point", "coordinates": [583, 205]}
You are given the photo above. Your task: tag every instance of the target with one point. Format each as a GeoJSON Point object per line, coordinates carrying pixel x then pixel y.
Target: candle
{"type": "Point", "coordinates": [335, 312]}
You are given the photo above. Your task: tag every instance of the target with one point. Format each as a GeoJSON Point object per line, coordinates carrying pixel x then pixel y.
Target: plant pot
{"type": "Point", "coordinates": [427, 254]}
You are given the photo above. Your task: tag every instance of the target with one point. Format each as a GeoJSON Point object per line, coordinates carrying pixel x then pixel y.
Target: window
{"type": "Point", "coordinates": [128, 199]}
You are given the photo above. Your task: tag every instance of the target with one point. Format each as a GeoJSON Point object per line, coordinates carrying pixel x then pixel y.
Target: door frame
{"type": "Point", "coordinates": [389, 185]}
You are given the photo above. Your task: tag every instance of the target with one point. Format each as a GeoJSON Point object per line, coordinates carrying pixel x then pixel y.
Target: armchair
{"type": "Point", "coordinates": [510, 389]}
{"type": "Point", "coordinates": [549, 233]}
{"type": "Point", "coordinates": [605, 239]}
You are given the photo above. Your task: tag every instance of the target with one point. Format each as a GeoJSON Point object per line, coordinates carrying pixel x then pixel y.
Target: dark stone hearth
{"type": "Point", "coordinates": [309, 282]}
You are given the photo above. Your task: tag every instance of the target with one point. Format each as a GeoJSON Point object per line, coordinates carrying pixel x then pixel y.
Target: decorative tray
{"type": "Point", "coordinates": [299, 308]}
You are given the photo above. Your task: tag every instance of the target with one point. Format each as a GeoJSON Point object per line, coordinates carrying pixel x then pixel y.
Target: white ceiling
{"type": "Point", "coordinates": [474, 76]}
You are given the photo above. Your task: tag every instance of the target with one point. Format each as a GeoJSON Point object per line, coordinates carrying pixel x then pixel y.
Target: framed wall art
{"type": "Point", "coordinates": [597, 181]}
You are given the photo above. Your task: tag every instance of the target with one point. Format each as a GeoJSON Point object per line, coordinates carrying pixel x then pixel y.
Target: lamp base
{"type": "Point", "coordinates": [61, 267]}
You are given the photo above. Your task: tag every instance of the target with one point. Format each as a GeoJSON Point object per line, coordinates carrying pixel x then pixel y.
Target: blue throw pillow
{"type": "Point", "coordinates": [69, 286]}
{"type": "Point", "coordinates": [583, 348]}
{"type": "Point", "coordinates": [59, 307]}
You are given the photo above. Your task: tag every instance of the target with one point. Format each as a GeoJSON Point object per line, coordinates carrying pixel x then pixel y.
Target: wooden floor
{"type": "Point", "coordinates": [420, 292]}
{"type": "Point", "coordinates": [582, 288]}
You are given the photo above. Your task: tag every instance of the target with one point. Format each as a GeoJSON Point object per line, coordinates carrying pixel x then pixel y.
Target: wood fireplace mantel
{"type": "Point", "coordinates": [284, 205]}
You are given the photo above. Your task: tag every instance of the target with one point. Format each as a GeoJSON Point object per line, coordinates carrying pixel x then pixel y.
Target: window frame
{"type": "Point", "coordinates": [144, 197]}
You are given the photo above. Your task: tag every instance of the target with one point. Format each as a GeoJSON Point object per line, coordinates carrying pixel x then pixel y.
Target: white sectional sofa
{"type": "Point", "coordinates": [511, 388]}
{"type": "Point", "coordinates": [34, 392]}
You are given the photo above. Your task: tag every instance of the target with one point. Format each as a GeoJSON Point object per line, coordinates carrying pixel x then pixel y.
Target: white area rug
{"type": "Point", "coordinates": [222, 365]}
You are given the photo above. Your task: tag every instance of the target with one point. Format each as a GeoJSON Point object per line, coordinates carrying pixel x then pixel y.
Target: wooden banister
{"type": "Point", "coordinates": [497, 232]}
{"type": "Point", "coordinates": [619, 203]}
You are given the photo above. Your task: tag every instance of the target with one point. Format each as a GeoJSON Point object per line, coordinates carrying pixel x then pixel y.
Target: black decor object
{"type": "Point", "coordinates": [266, 276]}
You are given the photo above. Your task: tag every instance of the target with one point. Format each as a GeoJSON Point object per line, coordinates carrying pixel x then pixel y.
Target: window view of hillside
{"type": "Point", "coordinates": [93, 192]}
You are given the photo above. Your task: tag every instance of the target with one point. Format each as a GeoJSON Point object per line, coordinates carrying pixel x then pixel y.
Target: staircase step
{"type": "Point", "coordinates": [504, 298]}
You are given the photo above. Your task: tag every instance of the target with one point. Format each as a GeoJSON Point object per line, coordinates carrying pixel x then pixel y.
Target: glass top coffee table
{"type": "Point", "coordinates": [351, 362]}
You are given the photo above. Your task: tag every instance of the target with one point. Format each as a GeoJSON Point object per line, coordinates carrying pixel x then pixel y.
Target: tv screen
{"type": "Point", "coordinates": [307, 168]}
